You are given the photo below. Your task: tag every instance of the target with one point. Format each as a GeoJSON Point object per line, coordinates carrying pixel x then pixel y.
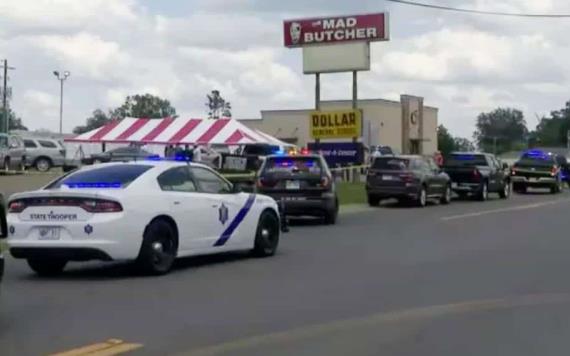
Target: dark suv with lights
{"type": "Point", "coordinates": [302, 184]}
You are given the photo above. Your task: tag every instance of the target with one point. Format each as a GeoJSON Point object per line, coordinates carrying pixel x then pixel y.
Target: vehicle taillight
{"type": "Point", "coordinates": [476, 173]}
{"type": "Point", "coordinates": [17, 206]}
{"type": "Point", "coordinates": [407, 177]}
{"type": "Point", "coordinates": [101, 206]}
{"type": "Point", "coordinates": [554, 171]}
{"type": "Point", "coordinates": [325, 182]}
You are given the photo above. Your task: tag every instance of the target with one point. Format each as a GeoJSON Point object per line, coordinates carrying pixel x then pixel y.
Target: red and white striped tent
{"type": "Point", "coordinates": [176, 131]}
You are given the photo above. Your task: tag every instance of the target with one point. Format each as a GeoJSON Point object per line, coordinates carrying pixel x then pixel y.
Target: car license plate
{"type": "Point", "coordinates": [292, 184]}
{"type": "Point", "coordinates": [454, 185]}
{"type": "Point", "coordinates": [48, 233]}
{"type": "Point", "coordinates": [387, 177]}
{"type": "Point", "coordinates": [533, 179]}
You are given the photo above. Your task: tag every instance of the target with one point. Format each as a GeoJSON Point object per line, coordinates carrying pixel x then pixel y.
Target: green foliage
{"type": "Point", "coordinates": [501, 129]}
{"type": "Point", "coordinates": [446, 143]}
{"type": "Point", "coordinates": [139, 106]}
{"type": "Point", "coordinates": [144, 106]}
{"type": "Point", "coordinates": [553, 130]}
{"type": "Point", "coordinates": [15, 122]}
{"type": "Point", "coordinates": [218, 106]}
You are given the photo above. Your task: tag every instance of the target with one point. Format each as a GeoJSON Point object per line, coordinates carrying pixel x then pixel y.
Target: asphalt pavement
{"type": "Point", "coordinates": [470, 278]}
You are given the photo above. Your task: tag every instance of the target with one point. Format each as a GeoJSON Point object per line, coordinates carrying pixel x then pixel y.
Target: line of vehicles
{"type": "Point", "coordinates": [152, 211]}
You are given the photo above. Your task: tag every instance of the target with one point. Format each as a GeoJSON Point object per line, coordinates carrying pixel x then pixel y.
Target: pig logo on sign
{"type": "Point", "coordinates": [295, 31]}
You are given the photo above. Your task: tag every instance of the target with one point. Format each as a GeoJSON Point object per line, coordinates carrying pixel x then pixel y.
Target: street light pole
{"type": "Point", "coordinates": [61, 77]}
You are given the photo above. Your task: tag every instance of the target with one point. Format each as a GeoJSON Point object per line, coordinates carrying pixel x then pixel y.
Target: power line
{"type": "Point", "coordinates": [479, 12]}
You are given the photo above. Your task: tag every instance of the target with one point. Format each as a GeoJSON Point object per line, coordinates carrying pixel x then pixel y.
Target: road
{"type": "Point", "coordinates": [470, 278]}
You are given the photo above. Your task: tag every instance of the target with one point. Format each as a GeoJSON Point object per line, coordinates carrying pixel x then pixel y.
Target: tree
{"type": "Point", "coordinates": [140, 106]}
{"type": "Point", "coordinates": [553, 130]}
{"type": "Point", "coordinates": [463, 145]}
{"type": "Point", "coordinates": [218, 106]}
{"type": "Point", "coordinates": [97, 119]}
{"type": "Point", "coordinates": [15, 122]}
{"type": "Point", "coordinates": [500, 130]}
{"type": "Point", "coordinates": [144, 106]}
{"type": "Point", "coordinates": [445, 142]}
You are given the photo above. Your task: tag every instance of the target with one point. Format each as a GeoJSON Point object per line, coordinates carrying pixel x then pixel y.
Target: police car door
{"type": "Point", "coordinates": [229, 211]}
{"type": "Point", "coordinates": [186, 207]}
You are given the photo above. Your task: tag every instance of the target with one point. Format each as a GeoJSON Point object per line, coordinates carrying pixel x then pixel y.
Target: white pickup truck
{"type": "Point", "coordinates": [12, 153]}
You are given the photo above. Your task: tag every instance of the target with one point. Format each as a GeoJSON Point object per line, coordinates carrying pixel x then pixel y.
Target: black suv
{"type": "Point", "coordinates": [478, 174]}
{"type": "Point", "coordinates": [407, 178]}
{"type": "Point", "coordinates": [303, 184]}
{"type": "Point", "coordinates": [538, 169]}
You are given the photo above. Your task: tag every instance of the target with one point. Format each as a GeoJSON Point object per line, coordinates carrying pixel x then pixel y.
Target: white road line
{"type": "Point", "coordinates": [504, 210]}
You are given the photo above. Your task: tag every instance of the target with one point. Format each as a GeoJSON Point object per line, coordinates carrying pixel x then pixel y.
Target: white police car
{"type": "Point", "coordinates": [148, 211]}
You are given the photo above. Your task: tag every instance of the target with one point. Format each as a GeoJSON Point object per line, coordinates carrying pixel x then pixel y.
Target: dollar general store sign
{"type": "Point", "coordinates": [335, 124]}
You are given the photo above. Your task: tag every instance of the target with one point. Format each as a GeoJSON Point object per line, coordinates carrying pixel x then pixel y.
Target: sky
{"type": "Point", "coordinates": [182, 49]}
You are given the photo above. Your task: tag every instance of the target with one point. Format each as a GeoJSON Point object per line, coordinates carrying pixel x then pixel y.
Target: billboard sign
{"type": "Point", "coordinates": [335, 124]}
{"type": "Point", "coordinates": [334, 30]}
{"type": "Point", "coordinates": [346, 57]}
{"type": "Point", "coordinates": [339, 153]}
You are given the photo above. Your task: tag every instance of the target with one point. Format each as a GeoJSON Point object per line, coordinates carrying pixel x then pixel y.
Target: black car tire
{"type": "Point", "coordinates": [47, 267]}
{"type": "Point", "coordinates": [331, 216]}
{"type": "Point", "coordinates": [266, 235]}
{"type": "Point", "coordinates": [556, 188]}
{"type": "Point", "coordinates": [6, 164]}
{"type": "Point", "coordinates": [483, 194]}
{"type": "Point", "coordinates": [373, 200]}
{"type": "Point", "coordinates": [42, 164]}
{"type": "Point", "coordinates": [22, 165]}
{"type": "Point", "coordinates": [446, 197]}
{"type": "Point", "coordinates": [505, 192]}
{"type": "Point", "coordinates": [421, 199]}
{"type": "Point", "coordinates": [158, 249]}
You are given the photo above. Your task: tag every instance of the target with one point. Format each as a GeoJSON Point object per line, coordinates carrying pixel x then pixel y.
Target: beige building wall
{"type": "Point", "coordinates": [385, 119]}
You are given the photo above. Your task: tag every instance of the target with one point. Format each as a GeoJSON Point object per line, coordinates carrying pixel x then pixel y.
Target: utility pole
{"type": "Point", "coordinates": [5, 124]}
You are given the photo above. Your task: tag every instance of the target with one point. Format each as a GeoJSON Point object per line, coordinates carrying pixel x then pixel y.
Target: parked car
{"type": "Point", "coordinates": [478, 174]}
{"type": "Point", "coordinates": [44, 153]}
{"type": "Point", "coordinates": [407, 178]}
{"type": "Point", "coordinates": [12, 153]}
{"type": "Point", "coordinates": [117, 155]}
{"type": "Point", "coordinates": [3, 233]}
{"type": "Point", "coordinates": [303, 184]}
{"type": "Point", "coordinates": [537, 169]}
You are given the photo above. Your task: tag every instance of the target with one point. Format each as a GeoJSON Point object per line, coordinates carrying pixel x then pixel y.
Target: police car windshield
{"type": "Point", "coordinates": [391, 164]}
{"type": "Point", "coordinates": [293, 165]}
{"type": "Point", "coordinates": [466, 160]}
{"type": "Point", "coordinates": [115, 176]}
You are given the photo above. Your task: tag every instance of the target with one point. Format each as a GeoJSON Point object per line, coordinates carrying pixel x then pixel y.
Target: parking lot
{"type": "Point", "coordinates": [389, 280]}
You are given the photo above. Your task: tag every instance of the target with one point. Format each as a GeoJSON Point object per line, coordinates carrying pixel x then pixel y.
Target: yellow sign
{"type": "Point", "coordinates": [336, 124]}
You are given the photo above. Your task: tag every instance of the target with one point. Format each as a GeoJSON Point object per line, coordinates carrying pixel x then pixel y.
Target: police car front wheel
{"type": "Point", "coordinates": [159, 247]}
{"type": "Point", "coordinates": [267, 235]}
{"type": "Point", "coordinates": [47, 266]}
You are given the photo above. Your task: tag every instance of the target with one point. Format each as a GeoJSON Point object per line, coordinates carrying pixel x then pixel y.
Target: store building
{"type": "Point", "coordinates": [408, 126]}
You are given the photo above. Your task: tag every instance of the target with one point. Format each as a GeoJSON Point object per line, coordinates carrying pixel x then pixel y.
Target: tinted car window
{"type": "Point", "coordinates": [293, 165]}
{"type": "Point", "coordinates": [47, 144]}
{"type": "Point", "coordinates": [115, 176]}
{"type": "Point", "coordinates": [260, 150]}
{"type": "Point", "coordinates": [210, 182]}
{"type": "Point", "coordinates": [176, 180]}
{"type": "Point", "coordinates": [536, 161]}
{"type": "Point", "coordinates": [466, 160]}
{"type": "Point", "coordinates": [30, 144]}
{"type": "Point", "coordinates": [391, 163]}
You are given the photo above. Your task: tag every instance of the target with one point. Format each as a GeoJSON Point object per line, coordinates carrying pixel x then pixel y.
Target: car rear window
{"type": "Point", "coordinates": [115, 176]}
{"type": "Point", "coordinates": [293, 165]}
{"type": "Point", "coordinates": [260, 150]}
{"type": "Point", "coordinates": [466, 160]}
{"type": "Point", "coordinates": [536, 161]}
{"type": "Point", "coordinates": [391, 164]}
{"type": "Point", "coordinates": [47, 144]}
